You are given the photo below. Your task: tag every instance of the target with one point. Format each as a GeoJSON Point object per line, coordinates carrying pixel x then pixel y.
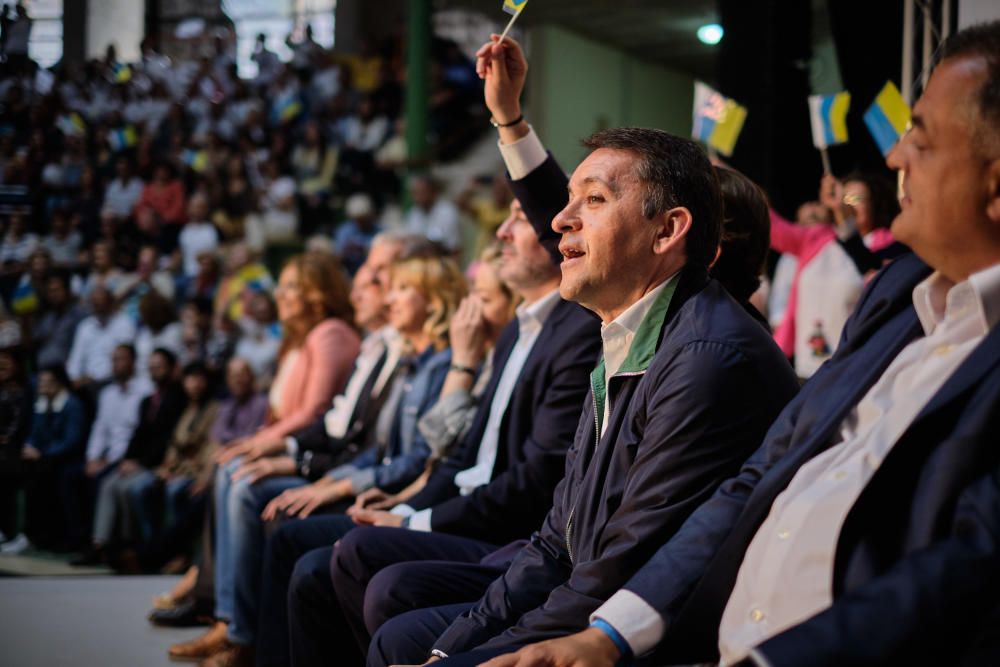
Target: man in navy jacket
{"type": "Point", "coordinates": [865, 529]}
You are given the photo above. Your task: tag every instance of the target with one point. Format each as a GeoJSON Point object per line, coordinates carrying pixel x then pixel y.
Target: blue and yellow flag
{"type": "Point", "coordinates": [286, 108]}
{"type": "Point", "coordinates": [71, 124]}
{"type": "Point", "coordinates": [122, 137]}
{"type": "Point", "coordinates": [888, 117]}
{"type": "Point", "coordinates": [121, 73]}
{"type": "Point", "coordinates": [25, 299]}
{"type": "Point", "coordinates": [514, 6]}
{"type": "Point", "coordinates": [828, 118]}
{"type": "Point", "coordinates": [717, 120]}
{"type": "Point", "coordinates": [197, 160]}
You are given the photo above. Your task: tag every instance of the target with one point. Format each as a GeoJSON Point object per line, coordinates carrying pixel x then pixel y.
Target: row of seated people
{"type": "Point", "coordinates": [683, 502]}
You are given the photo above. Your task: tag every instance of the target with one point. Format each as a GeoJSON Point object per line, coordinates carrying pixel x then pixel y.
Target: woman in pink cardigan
{"type": "Point", "coordinates": [318, 349]}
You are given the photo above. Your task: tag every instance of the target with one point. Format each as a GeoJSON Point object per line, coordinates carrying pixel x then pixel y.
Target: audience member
{"type": "Point", "coordinates": [90, 361]}
{"type": "Point", "coordinates": [431, 215]}
{"type": "Point", "coordinates": [53, 330]}
{"type": "Point", "coordinates": [122, 488]}
{"type": "Point", "coordinates": [15, 425]}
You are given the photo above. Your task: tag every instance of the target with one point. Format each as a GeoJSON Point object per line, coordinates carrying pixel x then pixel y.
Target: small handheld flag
{"type": "Point", "coordinates": [285, 109]}
{"type": "Point", "coordinates": [717, 120]}
{"type": "Point", "coordinates": [71, 125]}
{"type": "Point", "coordinates": [121, 73]}
{"type": "Point", "coordinates": [197, 160]}
{"type": "Point", "coordinates": [513, 7]}
{"type": "Point", "coordinates": [828, 117]}
{"type": "Point", "coordinates": [121, 138]}
{"type": "Point", "coordinates": [887, 117]}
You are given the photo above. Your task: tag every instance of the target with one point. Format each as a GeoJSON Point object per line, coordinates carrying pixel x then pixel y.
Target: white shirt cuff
{"type": "Point", "coordinates": [524, 155]}
{"type": "Point", "coordinates": [292, 446]}
{"type": "Point", "coordinates": [402, 509]}
{"type": "Point", "coordinates": [634, 619]}
{"type": "Point", "coordinates": [421, 521]}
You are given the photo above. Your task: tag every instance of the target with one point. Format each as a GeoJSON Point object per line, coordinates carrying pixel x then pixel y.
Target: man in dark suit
{"type": "Point", "coordinates": [864, 530]}
{"type": "Point", "coordinates": [523, 427]}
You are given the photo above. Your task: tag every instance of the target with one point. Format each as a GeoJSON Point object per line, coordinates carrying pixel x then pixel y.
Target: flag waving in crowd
{"type": "Point", "coordinates": [718, 119]}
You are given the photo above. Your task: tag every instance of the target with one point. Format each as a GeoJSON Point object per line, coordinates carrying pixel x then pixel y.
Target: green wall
{"type": "Point", "coordinates": [577, 86]}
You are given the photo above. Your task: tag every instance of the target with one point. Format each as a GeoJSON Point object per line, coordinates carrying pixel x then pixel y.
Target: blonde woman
{"type": "Point", "coordinates": [474, 331]}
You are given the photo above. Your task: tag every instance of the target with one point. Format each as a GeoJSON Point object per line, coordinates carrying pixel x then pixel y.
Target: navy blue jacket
{"type": "Point", "coordinates": [535, 433]}
{"type": "Point", "coordinates": [702, 383]}
{"type": "Point", "coordinates": [917, 566]}
{"type": "Point", "coordinates": [61, 435]}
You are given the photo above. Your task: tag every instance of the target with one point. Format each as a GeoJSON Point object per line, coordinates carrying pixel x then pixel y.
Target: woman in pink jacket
{"type": "Point", "coordinates": [832, 266]}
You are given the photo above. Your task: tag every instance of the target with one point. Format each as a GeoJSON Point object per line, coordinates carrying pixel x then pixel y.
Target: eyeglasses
{"type": "Point", "coordinates": [854, 199]}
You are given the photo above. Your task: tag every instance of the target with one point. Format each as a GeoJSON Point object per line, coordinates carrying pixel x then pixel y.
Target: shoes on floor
{"type": "Point", "coordinates": [207, 645]}
{"type": "Point", "coordinates": [15, 546]}
{"type": "Point", "coordinates": [184, 614]}
{"type": "Point", "coordinates": [93, 556]}
{"type": "Point", "coordinates": [232, 656]}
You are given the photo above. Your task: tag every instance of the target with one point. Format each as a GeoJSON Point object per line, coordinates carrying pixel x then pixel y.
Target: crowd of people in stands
{"type": "Point", "coordinates": [587, 448]}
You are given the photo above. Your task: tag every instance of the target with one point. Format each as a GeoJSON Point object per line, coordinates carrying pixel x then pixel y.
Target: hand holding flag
{"type": "Point", "coordinates": [503, 68]}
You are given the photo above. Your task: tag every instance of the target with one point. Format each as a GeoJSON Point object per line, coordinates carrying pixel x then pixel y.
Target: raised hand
{"type": "Point", "coordinates": [503, 67]}
{"type": "Point", "coordinates": [467, 333]}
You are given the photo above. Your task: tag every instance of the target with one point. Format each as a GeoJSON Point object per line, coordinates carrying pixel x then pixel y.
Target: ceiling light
{"type": "Point", "coordinates": [710, 33]}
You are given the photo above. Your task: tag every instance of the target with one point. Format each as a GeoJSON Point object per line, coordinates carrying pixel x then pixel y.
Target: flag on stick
{"type": "Point", "coordinates": [71, 124]}
{"type": "Point", "coordinates": [717, 120]}
{"type": "Point", "coordinates": [514, 7]}
{"type": "Point", "coordinates": [888, 117]}
{"type": "Point", "coordinates": [828, 117]}
{"type": "Point", "coordinates": [121, 138]}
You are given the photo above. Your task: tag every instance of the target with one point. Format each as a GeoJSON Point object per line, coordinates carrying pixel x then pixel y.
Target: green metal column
{"type": "Point", "coordinates": [418, 73]}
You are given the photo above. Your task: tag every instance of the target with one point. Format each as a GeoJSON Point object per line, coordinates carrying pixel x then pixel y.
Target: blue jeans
{"type": "Point", "coordinates": [143, 497]}
{"type": "Point", "coordinates": [239, 547]}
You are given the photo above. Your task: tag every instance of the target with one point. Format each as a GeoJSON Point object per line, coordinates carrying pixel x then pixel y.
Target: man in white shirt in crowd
{"type": "Point", "coordinates": [122, 193]}
{"type": "Point", "coordinates": [90, 364]}
{"type": "Point", "coordinates": [432, 216]}
{"type": "Point", "coordinates": [863, 531]}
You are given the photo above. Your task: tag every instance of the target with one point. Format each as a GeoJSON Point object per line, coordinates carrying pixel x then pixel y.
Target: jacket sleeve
{"type": "Point", "coordinates": [540, 566]}
{"type": "Point", "coordinates": [524, 489]}
{"type": "Point", "coordinates": [332, 351]}
{"type": "Point", "coordinates": [543, 195]}
{"type": "Point", "coordinates": [937, 598]}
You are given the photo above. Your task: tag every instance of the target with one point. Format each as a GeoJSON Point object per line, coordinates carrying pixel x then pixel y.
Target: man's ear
{"type": "Point", "coordinates": [673, 227]}
{"type": "Point", "coordinates": [993, 192]}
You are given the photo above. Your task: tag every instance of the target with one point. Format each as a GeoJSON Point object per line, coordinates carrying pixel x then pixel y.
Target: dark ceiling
{"type": "Point", "coordinates": [661, 31]}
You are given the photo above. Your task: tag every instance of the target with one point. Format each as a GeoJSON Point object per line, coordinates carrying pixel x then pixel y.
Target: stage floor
{"type": "Point", "coordinates": [80, 622]}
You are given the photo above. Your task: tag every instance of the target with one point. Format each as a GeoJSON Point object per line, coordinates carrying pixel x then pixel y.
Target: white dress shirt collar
{"type": "Point", "coordinates": [532, 316]}
{"type": "Point", "coordinates": [937, 299]}
{"type": "Point", "coordinates": [618, 334]}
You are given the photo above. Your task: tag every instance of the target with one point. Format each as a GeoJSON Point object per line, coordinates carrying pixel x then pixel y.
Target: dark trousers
{"type": "Point", "coordinates": [408, 638]}
{"type": "Point", "coordinates": [296, 566]}
{"type": "Point", "coordinates": [379, 573]}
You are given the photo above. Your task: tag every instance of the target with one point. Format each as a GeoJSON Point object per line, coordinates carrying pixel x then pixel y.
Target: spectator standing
{"type": "Point", "coordinates": [54, 329]}
{"type": "Point", "coordinates": [431, 215]}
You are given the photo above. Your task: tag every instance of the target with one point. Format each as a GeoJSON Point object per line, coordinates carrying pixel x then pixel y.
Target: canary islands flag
{"type": "Point", "coordinates": [25, 299]}
{"type": "Point", "coordinates": [514, 6]}
{"type": "Point", "coordinates": [717, 120]}
{"type": "Point", "coordinates": [197, 160]}
{"type": "Point", "coordinates": [121, 138]}
{"type": "Point", "coordinates": [828, 117]}
{"type": "Point", "coordinates": [285, 108]}
{"type": "Point", "coordinates": [888, 117]}
{"type": "Point", "coordinates": [121, 73]}
{"type": "Point", "coordinates": [71, 125]}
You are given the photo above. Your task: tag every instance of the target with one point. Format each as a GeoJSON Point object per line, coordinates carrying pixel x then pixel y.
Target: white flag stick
{"type": "Point", "coordinates": [509, 25]}
{"type": "Point", "coordinates": [826, 161]}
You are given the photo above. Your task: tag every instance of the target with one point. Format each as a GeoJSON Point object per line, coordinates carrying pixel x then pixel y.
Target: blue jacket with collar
{"type": "Point", "coordinates": [694, 399]}
{"type": "Point", "coordinates": [917, 567]}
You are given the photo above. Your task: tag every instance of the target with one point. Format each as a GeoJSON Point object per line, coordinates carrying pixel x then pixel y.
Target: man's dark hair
{"type": "Point", "coordinates": [128, 348]}
{"type": "Point", "coordinates": [746, 235]}
{"type": "Point", "coordinates": [675, 172]}
{"type": "Point", "coordinates": [981, 41]}
{"type": "Point", "coordinates": [197, 368]}
{"type": "Point", "coordinates": [58, 371]}
{"type": "Point", "coordinates": [166, 354]}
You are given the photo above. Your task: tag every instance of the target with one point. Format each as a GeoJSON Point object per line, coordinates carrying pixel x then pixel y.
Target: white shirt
{"type": "Point", "coordinates": [439, 224]}
{"type": "Point", "coordinates": [121, 197]}
{"type": "Point", "coordinates": [170, 337]}
{"type": "Point", "coordinates": [117, 418]}
{"type": "Point", "coordinates": [196, 238]}
{"type": "Point", "coordinates": [617, 336]}
{"type": "Point", "coordinates": [93, 344]}
{"type": "Point", "coordinates": [530, 320]}
{"type": "Point", "coordinates": [787, 572]}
